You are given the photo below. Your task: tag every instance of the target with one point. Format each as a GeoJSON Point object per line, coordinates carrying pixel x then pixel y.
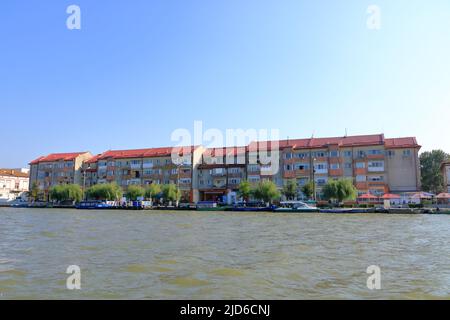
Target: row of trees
{"type": "Point", "coordinates": [335, 190]}
{"type": "Point", "coordinates": [113, 192]}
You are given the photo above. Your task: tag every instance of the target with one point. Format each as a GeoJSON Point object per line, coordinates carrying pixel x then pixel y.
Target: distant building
{"type": "Point", "coordinates": [446, 173]}
{"type": "Point", "coordinates": [13, 184]}
{"type": "Point", "coordinates": [57, 168]}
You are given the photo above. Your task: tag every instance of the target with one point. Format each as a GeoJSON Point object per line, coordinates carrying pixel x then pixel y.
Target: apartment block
{"type": "Point", "coordinates": [220, 172]}
{"type": "Point", "coordinates": [13, 184]}
{"type": "Point", "coordinates": [446, 173]}
{"type": "Point", "coordinates": [57, 168]}
{"type": "Point", "coordinates": [375, 164]}
{"type": "Point", "coordinates": [146, 166]}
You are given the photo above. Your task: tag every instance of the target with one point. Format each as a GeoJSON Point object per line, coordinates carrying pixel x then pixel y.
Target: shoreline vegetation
{"type": "Point", "coordinates": [338, 196]}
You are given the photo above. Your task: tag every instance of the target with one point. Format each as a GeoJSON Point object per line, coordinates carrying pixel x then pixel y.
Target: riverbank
{"type": "Point", "coordinates": [330, 210]}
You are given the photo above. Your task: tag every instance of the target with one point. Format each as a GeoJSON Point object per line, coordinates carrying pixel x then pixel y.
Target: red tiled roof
{"type": "Point", "coordinates": [139, 153]}
{"type": "Point", "coordinates": [58, 157]}
{"type": "Point", "coordinates": [94, 158]}
{"type": "Point", "coordinates": [228, 151]}
{"type": "Point", "coordinates": [408, 142]}
{"type": "Point", "coordinates": [311, 143]}
{"type": "Point", "coordinates": [13, 173]}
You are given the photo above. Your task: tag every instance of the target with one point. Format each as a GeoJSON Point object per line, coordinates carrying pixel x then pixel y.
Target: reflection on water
{"type": "Point", "coordinates": [201, 255]}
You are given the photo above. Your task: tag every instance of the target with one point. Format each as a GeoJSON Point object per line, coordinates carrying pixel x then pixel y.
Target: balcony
{"type": "Point", "coordinates": [375, 156]}
{"type": "Point", "coordinates": [147, 165]}
{"type": "Point", "coordinates": [136, 166]}
{"type": "Point", "coordinates": [361, 185]}
{"type": "Point", "coordinates": [336, 172]}
{"type": "Point", "coordinates": [289, 174]}
{"type": "Point", "coordinates": [218, 172]}
{"type": "Point", "coordinates": [360, 171]}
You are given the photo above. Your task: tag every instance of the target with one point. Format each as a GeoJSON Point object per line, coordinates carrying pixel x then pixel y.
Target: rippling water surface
{"type": "Point", "coordinates": [207, 255]}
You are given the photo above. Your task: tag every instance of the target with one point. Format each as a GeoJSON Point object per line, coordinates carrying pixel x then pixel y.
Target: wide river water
{"type": "Point", "coordinates": [210, 255]}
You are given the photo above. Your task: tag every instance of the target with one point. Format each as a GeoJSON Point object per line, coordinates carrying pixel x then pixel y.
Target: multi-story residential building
{"type": "Point", "coordinates": [375, 164]}
{"type": "Point", "coordinates": [446, 173]}
{"type": "Point", "coordinates": [57, 168]}
{"type": "Point", "coordinates": [13, 184]}
{"type": "Point", "coordinates": [147, 166]}
{"type": "Point", "coordinates": [220, 172]}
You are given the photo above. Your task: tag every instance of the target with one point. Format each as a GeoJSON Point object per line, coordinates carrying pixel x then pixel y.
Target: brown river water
{"type": "Point", "coordinates": [211, 255]}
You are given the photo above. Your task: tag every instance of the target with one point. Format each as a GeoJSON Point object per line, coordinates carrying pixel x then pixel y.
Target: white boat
{"type": "Point", "coordinates": [295, 206]}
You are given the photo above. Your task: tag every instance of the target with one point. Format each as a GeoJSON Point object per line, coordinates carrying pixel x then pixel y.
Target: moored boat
{"type": "Point", "coordinates": [95, 204]}
{"type": "Point", "coordinates": [295, 206]}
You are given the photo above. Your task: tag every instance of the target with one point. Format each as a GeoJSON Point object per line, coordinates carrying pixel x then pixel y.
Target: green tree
{"type": "Point", "coordinates": [34, 192]}
{"type": "Point", "coordinates": [245, 189]}
{"type": "Point", "coordinates": [134, 192]}
{"type": "Point", "coordinates": [171, 192]}
{"type": "Point", "coordinates": [66, 192]}
{"type": "Point", "coordinates": [308, 189]}
{"type": "Point", "coordinates": [339, 190]}
{"type": "Point", "coordinates": [432, 178]}
{"type": "Point", "coordinates": [108, 191]}
{"type": "Point", "coordinates": [267, 191]}
{"type": "Point", "coordinates": [152, 191]}
{"type": "Point", "coordinates": [290, 190]}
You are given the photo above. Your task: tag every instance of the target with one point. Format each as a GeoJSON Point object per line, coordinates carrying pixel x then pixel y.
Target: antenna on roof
{"type": "Point", "coordinates": [312, 135]}
{"type": "Point", "coordinates": [345, 133]}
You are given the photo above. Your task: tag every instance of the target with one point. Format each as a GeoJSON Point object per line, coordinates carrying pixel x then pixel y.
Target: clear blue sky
{"type": "Point", "coordinates": [137, 70]}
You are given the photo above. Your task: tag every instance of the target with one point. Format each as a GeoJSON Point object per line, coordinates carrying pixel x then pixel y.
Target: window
{"type": "Point", "coordinates": [360, 165]}
{"type": "Point", "coordinates": [375, 178]}
{"type": "Point", "coordinates": [235, 181]}
{"type": "Point", "coordinates": [407, 153]}
{"type": "Point", "coordinates": [288, 167]}
{"type": "Point", "coordinates": [390, 153]}
{"type": "Point", "coordinates": [361, 154]}
{"type": "Point", "coordinates": [302, 181]}
{"type": "Point", "coordinates": [288, 156]}
{"type": "Point", "coordinates": [334, 166]}
{"type": "Point", "coordinates": [348, 165]}
{"type": "Point", "coordinates": [348, 154]}
{"type": "Point", "coordinates": [375, 152]}
{"type": "Point", "coordinates": [234, 170]}
{"type": "Point", "coordinates": [301, 155]}
{"type": "Point", "coordinates": [320, 154]}
{"type": "Point", "coordinates": [321, 181]}
{"type": "Point", "coordinates": [321, 166]}
{"type": "Point", "coordinates": [361, 178]}
{"type": "Point", "coordinates": [334, 154]}
{"type": "Point", "coordinates": [301, 166]}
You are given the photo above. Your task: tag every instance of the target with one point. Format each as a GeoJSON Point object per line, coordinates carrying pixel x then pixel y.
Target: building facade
{"type": "Point", "coordinates": [446, 173]}
{"type": "Point", "coordinates": [57, 168]}
{"type": "Point", "coordinates": [220, 172]}
{"type": "Point", "coordinates": [146, 166]}
{"type": "Point", "coordinates": [375, 164]}
{"type": "Point", "coordinates": [13, 184]}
